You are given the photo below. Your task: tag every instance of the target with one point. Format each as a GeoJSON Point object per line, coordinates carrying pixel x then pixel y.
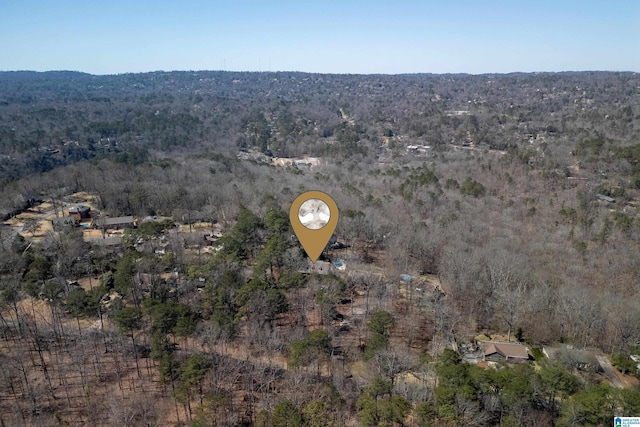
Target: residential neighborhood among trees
{"type": "Point", "coordinates": [484, 270]}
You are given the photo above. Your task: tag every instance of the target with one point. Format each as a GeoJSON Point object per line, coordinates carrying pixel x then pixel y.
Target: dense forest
{"type": "Point", "coordinates": [500, 208]}
{"type": "Point", "coordinates": [53, 119]}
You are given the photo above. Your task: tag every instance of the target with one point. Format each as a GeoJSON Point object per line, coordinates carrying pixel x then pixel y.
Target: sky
{"type": "Point", "coordinates": [349, 36]}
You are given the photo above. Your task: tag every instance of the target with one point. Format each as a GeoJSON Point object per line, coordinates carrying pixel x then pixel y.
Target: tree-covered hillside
{"type": "Point", "coordinates": [57, 118]}
{"type": "Point", "coordinates": [472, 208]}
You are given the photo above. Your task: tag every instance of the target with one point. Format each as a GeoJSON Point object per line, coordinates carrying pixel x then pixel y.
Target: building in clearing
{"type": "Point", "coordinates": [418, 149]}
{"type": "Point", "coordinates": [117, 223]}
{"type": "Point", "coordinates": [567, 355]}
{"type": "Point", "coordinates": [605, 198]}
{"type": "Point", "coordinates": [494, 351]}
{"type": "Point", "coordinates": [80, 212]}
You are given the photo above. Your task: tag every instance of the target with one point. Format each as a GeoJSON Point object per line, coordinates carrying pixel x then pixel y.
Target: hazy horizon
{"type": "Point", "coordinates": [311, 72]}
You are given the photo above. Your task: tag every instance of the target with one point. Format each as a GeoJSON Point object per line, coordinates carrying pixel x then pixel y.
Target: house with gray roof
{"type": "Point", "coordinates": [117, 223]}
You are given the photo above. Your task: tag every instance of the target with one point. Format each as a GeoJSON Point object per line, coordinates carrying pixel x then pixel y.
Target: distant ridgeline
{"type": "Point", "coordinates": [58, 118]}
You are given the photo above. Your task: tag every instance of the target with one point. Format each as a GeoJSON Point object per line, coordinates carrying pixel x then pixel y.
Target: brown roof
{"type": "Point", "coordinates": [489, 348]}
{"type": "Point", "coordinates": [505, 349]}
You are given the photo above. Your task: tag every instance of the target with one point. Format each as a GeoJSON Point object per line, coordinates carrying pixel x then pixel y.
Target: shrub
{"type": "Point", "coordinates": [471, 187]}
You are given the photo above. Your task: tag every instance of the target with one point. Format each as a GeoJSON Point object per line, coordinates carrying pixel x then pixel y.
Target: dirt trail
{"type": "Point", "coordinates": [609, 371]}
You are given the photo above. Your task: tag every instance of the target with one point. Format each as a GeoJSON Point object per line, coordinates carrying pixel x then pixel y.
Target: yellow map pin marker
{"type": "Point", "coordinates": [314, 216]}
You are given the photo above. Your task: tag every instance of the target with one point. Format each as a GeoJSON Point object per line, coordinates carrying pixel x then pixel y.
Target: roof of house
{"type": "Point", "coordinates": [605, 198]}
{"type": "Point", "coordinates": [505, 349]}
{"type": "Point", "coordinates": [571, 355]}
{"type": "Point", "coordinates": [120, 220]}
{"type": "Point", "coordinates": [320, 267]}
{"type": "Point", "coordinates": [80, 208]}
